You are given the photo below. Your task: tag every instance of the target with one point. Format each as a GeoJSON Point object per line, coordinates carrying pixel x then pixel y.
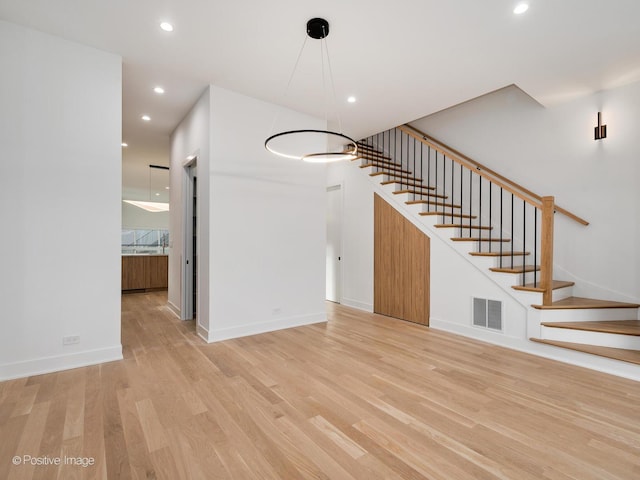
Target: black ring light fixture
{"type": "Point", "coordinates": [317, 28]}
{"type": "Point", "coordinates": [315, 157]}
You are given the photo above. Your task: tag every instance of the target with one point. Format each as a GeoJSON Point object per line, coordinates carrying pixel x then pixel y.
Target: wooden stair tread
{"type": "Point", "coordinates": [416, 192]}
{"type": "Point", "coordinates": [458, 225]}
{"type": "Point", "coordinates": [387, 166]}
{"type": "Point", "coordinates": [530, 287]}
{"type": "Point", "coordinates": [367, 146]}
{"type": "Point", "coordinates": [516, 269]}
{"type": "Point", "coordinates": [370, 152]}
{"type": "Point", "coordinates": [378, 161]}
{"type": "Point", "coordinates": [372, 156]}
{"type": "Point", "coordinates": [395, 175]}
{"type": "Point", "coordinates": [621, 327]}
{"type": "Point", "coordinates": [407, 184]}
{"type": "Point", "coordinates": [499, 254]}
{"type": "Point", "coordinates": [582, 303]}
{"type": "Point", "coordinates": [479, 239]}
{"type": "Point", "coordinates": [630, 356]}
{"type": "Point", "coordinates": [449, 214]}
{"type": "Point", "coordinates": [432, 202]}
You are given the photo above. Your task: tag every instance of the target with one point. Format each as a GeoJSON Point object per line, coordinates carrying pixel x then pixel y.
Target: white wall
{"type": "Point", "coordinates": [261, 220]}
{"type": "Point", "coordinates": [60, 195]}
{"type": "Point", "coordinates": [268, 224]}
{"type": "Point", "coordinates": [551, 151]}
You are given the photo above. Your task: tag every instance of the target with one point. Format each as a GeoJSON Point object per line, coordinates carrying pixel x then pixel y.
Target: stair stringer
{"type": "Point", "coordinates": [527, 318]}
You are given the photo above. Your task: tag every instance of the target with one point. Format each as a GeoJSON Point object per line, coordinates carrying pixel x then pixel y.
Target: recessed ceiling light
{"type": "Point", "coordinates": [166, 188]}
{"type": "Point", "coordinates": [351, 99]}
{"type": "Point", "coordinates": [146, 118]}
{"type": "Point", "coordinates": [125, 144]}
{"type": "Point", "coordinates": [166, 26]}
{"type": "Point", "coordinates": [159, 90]}
{"type": "Point", "coordinates": [521, 8]}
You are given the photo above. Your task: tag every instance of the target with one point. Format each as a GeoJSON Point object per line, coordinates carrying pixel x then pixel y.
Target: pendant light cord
{"type": "Point", "coordinates": [286, 90]}
{"type": "Point", "coordinates": [317, 28]}
{"type": "Point", "coordinates": [333, 86]}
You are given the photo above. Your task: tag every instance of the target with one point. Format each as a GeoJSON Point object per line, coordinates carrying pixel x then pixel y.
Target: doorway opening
{"type": "Point", "coordinates": [190, 241]}
{"type": "Point", "coordinates": [334, 244]}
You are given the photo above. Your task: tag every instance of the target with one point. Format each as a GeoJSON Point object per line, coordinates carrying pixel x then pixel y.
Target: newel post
{"type": "Point", "coordinates": [546, 250]}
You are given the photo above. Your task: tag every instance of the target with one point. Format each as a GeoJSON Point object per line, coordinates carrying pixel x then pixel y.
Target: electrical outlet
{"type": "Point", "coordinates": [71, 340]}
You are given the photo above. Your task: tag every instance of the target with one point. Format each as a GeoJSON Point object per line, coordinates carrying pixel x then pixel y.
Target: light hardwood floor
{"type": "Point", "coordinates": [362, 396]}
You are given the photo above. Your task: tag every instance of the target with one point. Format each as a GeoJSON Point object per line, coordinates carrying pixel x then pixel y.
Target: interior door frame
{"type": "Point", "coordinates": [340, 272]}
{"type": "Point", "coordinates": [189, 171]}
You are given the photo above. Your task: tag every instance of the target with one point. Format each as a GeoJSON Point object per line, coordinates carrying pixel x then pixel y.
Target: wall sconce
{"type": "Point", "coordinates": [600, 131]}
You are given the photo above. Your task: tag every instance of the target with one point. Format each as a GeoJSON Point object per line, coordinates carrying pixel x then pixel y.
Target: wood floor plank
{"type": "Point", "coordinates": [362, 396]}
{"type": "Point", "coordinates": [11, 430]}
{"type": "Point", "coordinates": [29, 442]}
{"type": "Point", "coordinates": [53, 434]}
{"type": "Point", "coordinates": [93, 436]}
{"type": "Point", "coordinates": [116, 456]}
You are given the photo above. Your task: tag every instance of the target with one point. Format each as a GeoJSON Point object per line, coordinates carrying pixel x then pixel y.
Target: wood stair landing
{"type": "Point", "coordinates": [631, 356]}
{"type": "Point", "coordinates": [576, 303]}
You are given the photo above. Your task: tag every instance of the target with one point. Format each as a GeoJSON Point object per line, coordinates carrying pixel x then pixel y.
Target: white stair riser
{"type": "Point", "coordinates": [562, 293]}
{"type": "Point", "coordinates": [506, 280]}
{"type": "Point", "coordinates": [588, 314]}
{"type": "Point", "coordinates": [528, 298]}
{"type": "Point", "coordinates": [602, 339]}
{"type": "Point", "coordinates": [536, 297]}
{"type": "Point", "coordinates": [388, 188]}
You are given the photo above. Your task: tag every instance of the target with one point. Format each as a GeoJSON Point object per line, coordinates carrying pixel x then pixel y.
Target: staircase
{"type": "Point", "coordinates": [596, 327]}
{"type": "Point", "coordinates": [507, 231]}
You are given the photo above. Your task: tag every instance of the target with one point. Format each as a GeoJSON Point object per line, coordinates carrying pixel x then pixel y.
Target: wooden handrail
{"type": "Point", "coordinates": [485, 172]}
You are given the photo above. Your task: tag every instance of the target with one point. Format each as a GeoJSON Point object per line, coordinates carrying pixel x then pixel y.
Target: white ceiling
{"type": "Point", "coordinates": [402, 59]}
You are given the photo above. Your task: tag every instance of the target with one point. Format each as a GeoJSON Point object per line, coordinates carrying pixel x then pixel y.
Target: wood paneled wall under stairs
{"type": "Point", "coordinates": [401, 266]}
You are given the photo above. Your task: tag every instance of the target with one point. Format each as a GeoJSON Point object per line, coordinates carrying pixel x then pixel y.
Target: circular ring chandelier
{"type": "Point", "coordinates": [295, 144]}
{"type": "Point", "coordinates": [313, 145]}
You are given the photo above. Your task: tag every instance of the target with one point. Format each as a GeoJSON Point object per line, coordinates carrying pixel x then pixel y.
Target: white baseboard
{"type": "Point", "coordinates": [349, 302]}
{"type": "Point", "coordinates": [202, 332]}
{"type": "Point", "coordinates": [572, 357]}
{"type": "Point", "coordinates": [217, 335]}
{"type": "Point", "coordinates": [40, 366]}
{"type": "Point", "coordinates": [174, 309]}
